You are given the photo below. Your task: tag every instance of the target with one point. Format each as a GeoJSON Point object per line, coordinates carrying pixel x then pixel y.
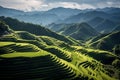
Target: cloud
{"type": "Point", "coordinates": [26, 5]}
{"type": "Point", "coordinates": [73, 5]}
{"type": "Point", "coordinates": [31, 5]}
{"type": "Point", "coordinates": [91, 3]}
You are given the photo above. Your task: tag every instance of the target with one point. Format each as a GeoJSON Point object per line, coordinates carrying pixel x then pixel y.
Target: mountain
{"type": "Point", "coordinates": [41, 18]}
{"type": "Point", "coordinates": [9, 12]}
{"type": "Point", "coordinates": [84, 17]}
{"type": "Point", "coordinates": [63, 13]}
{"type": "Point", "coordinates": [105, 26]}
{"type": "Point", "coordinates": [117, 28]}
{"type": "Point", "coordinates": [102, 25]}
{"type": "Point", "coordinates": [107, 42]}
{"type": "Point", "coordinates": [93, 18]}
{"type": "Point", "coordinates": [32, 28]}
{"type": "Point", "coordinates": [80, 31]}
{"type": "Point", "coordinates": [56, 27]}
{"type": "Point", "coordinates": [114, 12]}
{"type": "Point", "coordinates": [95, 21]}
{"type": "Point", "coordinates": [38, 17]}
{"type": "Point", "coordinates": [110, 10]}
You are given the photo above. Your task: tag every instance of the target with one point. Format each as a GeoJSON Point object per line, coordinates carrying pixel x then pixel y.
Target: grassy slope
{"type": "Point", "coordinates": [107, 42]}
{"type": "Point", "coordinates": [79, 60]}
{"type": "Point", "coordinates": [65, 54]}
{"type": "Point", "coordinates": [33, 57]}
{"type": "Point", "coordinates": [65, 66]}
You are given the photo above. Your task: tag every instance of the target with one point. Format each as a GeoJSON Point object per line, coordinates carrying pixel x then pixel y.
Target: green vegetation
{"type": "Point", "coordinates": [4, 29]}
{"type": "Point", "coordinates": [63, 54]}
{"type": "Point", "coordinates": [107, 42]}
{"type": "Point", "coordinates": [103, 56]}
{"type": "Point", "coordinates": [116, 49]}
{"type": "Point", "coordinates": [24, 55]}
{"type": "Point", "coordinates": [78, 31]}
{"type": "Point", "coordinates": [34, 29]}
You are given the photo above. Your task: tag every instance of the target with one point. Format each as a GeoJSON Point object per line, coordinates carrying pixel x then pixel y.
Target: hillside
{"type": "Point", "coordinates": [106, 26]}
{"type": "Point", "coordinates": [107, 42]}
{"type": "Point", "coordinates": [24, 55]}
{"type": "Point", "coordinates": [4, 29]}
{"type": "Point", "coordinates": [117, 28]}
{"type": "Point", "coordinates": [102, 25]}
{"type": "Point", "coordinates": [34, 29]}
{"type": "Point", "coordinates": [95, 21]}
{"type": "Point", "coordinates": [81, 31]}
{"type": "Point", "coordinates": [57, 27]}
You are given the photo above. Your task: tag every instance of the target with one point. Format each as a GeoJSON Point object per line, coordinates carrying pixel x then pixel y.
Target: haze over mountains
{"type": "Point", "coordinates": [60, 44]}
{"type": "Point", "coordinates": [62, 15]}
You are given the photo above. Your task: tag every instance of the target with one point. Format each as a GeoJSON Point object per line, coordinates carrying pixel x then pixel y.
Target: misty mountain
{"type": "Point", "coordinates": [102, 25]}
{"type": "Point", "coordinates": [63, 13]}
{"type": "Point", "coordinates": [38, 18]}
{"type": "Point", "coordinates": [95, 21]}
{"type": "Point", "coordinates": [84, 17]}
{"type": "Point", "coordinates": [110, 10]}
{"type": "Point", "coordinates": [9, 12]}
{"type": "Point", "coordinates": [117, 28]}
{"type": "Point", "coordinates": [105, 26]}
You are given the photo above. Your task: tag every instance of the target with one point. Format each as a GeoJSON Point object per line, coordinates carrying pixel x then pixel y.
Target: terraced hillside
{"type": "Point", "coordinates": [25, 64]}
{"type": "Point", "coordinates": [27, 56]}
{"type": "Point", "coordinates": [27, 61]}
{"type": "Point", "coordinates": [107, 42]}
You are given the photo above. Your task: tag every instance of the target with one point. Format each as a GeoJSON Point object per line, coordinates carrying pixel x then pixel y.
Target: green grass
{"type": "Point", "coordinates": [37, 65]}
{"type": "Point", "coordinates": [18, 47]}
{"type": "Point", "coordinates": [24, 54]}
{"type": "Point", "coordinates": [106, 42]}
{"type": "Point", "coordinates": [100, 55]}
{"type": "Point", "coordinates": [48, 58]}
{"type": "Point", "coordinates": [40, 64]}
{"type": "Point", "coordinates": [6, 43]}
{"type": "Point", "coordinates": [63, 54]}
{"type": "Point", "coordinates": [89, 67]}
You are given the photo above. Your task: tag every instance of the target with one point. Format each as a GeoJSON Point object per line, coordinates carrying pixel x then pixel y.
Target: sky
{"type": "Point", "coordinates": [43, 5]}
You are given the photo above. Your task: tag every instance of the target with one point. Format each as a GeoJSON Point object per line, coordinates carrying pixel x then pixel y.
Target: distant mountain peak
{"type": "Point", "coordinates": [62, 8]}
{"type": "Point", "coordinates": [1, 7]}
